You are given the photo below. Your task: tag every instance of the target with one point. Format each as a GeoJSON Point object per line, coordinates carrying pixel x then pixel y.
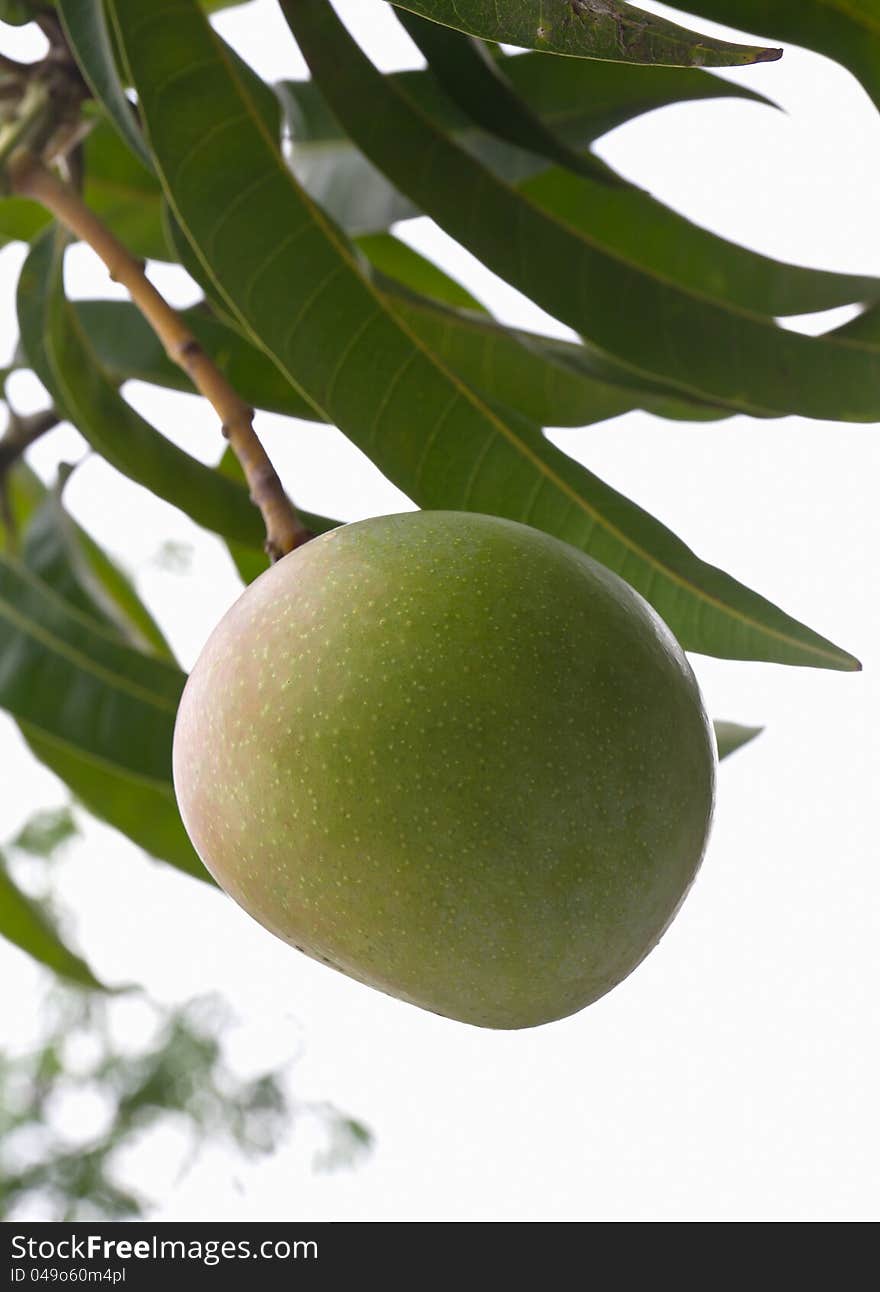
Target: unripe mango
{"type": "Point", "coordinates": [454, 758]}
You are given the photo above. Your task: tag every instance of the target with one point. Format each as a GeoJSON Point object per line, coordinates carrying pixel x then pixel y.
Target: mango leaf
{"type": "Point", "coordinates": [24, 923]}
{"type": "Point", "coordinates": [126, 195]}
{"type": "Point", "coordinates": [63, 555]}
{"type": "Point", "coordinates": [405, 267]}
{"type": "Point", "coordinates": [578, 101]}
{"type": "Point", "coordinates": [16, 12]}
{"type": "Point", "coordinates": [846, 30]}
{"type": "Point", "coordinates": [47, 831]}
{"type": "Point", "coordinates": [127, 348]}
{"type": "Point", "coordinates": [89, 36]}
{"type": "Point", "coordinates": [552, 382]}
{"type": "Point", "coordinates": [62, 358]}
{"type": "Point", "coordinates": [20, 219]}
{"type": "Point", "coordinates": [731, 736]}
{"type": "Point", "coordinates": [476, 83]}
{"type": "Point", "coordinates": [144, 812]}
{"type": "Point", "coordinates": [863, 329]}
{"type": "Point", "coordinates": [67, 677]}
{"type": "Point", "coordinates": [568, 384]}
{"type": "Point", "coordinates": [646, 233]}
{"type": "Point", "coordinates": [708, 348]}
{"type": "Point", "coordinates": [292, 280]}
{"type": "Point", "coordinates": [97, 713]}
{"type": "Point", "coordinates": [605, 29]}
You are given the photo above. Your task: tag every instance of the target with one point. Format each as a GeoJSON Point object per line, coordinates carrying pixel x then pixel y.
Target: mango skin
{"type": "Point", "coordinates": [454, 758]}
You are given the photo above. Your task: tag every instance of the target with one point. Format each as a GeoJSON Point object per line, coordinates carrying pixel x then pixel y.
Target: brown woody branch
{"type": "Point", "coordinates": [22, 431]}
{"type": "Point", "coordinates": [30, 177]}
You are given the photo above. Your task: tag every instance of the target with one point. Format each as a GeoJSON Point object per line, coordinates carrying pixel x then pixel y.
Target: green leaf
{"type": "Point", "coordinates": [476, 83]}
{"type": "Point", "coordinates": [76, 683]}
{"type": "Point", "coordinates": [552, 382]}
{"type": "Point", "coordinates": [730, 736]}
{"type": "Point", "coordinates": [88, 34]}
{"type": "Point", "coordinates": [46, 832]}
{"type": "Point", "coordinates": [128, 349]}
{"type": "Point", "coordinates": [215, 6]}
{"type": "Point", "coordinates": [846, 30]}
{"type": "Point", "coordinates": [396, 261]}
{"type": "Point", "coordinates": [63, 360]}
{"type": "Point", "coordinates": [23, 923]}
{"type": "Point", "coordinates": [144, 812]}
{"type": "Point", "coordinates": [294, 283]}
{"type": "Point", "coordinates": [126, 195]}
{"type": "Point", "coordinates": [645, 233]}
{"type": "Point", "coordinates": [863, 329]}
{"type": "Point", "coordinates": [63, 555]}
{"type": "Point", "coordinates": [578, 101]}
{"type": "Point", "coordinates": [604, 29]}
{"type": "Point", "coordinates": [48, 549]}
{"type": "Point", "coordinates": [20, 219]}
{"type": "Point", "coordinates": [16, 12]}
{"type": "Point", "coordinates": [708, 348]}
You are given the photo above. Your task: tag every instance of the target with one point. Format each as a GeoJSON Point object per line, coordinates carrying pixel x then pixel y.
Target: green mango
{"type": "Point", "coordinates": [454, 758]}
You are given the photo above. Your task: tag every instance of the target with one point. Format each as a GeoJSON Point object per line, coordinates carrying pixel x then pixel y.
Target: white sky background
{"type": "Point", "coordinates": [734, 1075]}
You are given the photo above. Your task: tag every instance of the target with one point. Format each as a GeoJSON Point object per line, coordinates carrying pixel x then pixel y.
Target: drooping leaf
{"type": "Point", "coordinates": [602, 29]}
{"type": "Point", "coordinates": [144, 812]}
{"type": "Point", "coordinates": [289, 275]}
{"type": "Point", "coordinates": [647, 234]}
{"type": "Point", "coordinates": [48, 549]}
{"type": "Point", "coordinates": [63, 555]}
{"type": "Point", "coordinates": [552, 382]}
{"type": "Point", "coordinates": [76, 683]}
{"type": "Point", "coordinates": [846, 30]}
{"type": "Point", "coordinates": [708, 348]}
{"type": "Point", "coordinates": [731, 736]}
{"type": "Point", "coordinates": [89, 36]}
{"type": "Point", "coordinates": [25, 924]}
{"type": "Point", "coordinates": [475, 82]}
{"type": "Point", "coordinates": [578, 101]}
{"type": "Point", "coordinates": [60, 355]}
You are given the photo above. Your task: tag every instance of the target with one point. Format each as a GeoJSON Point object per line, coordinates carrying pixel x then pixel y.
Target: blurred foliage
{"type": "Point", "coordinates": [176, 1076]}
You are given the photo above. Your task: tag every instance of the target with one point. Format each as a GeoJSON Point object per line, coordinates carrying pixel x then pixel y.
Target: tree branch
{"type": "Point", "coordinates": [30, 177]}
{"type": "Point", "coordinates": [22, 432]}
